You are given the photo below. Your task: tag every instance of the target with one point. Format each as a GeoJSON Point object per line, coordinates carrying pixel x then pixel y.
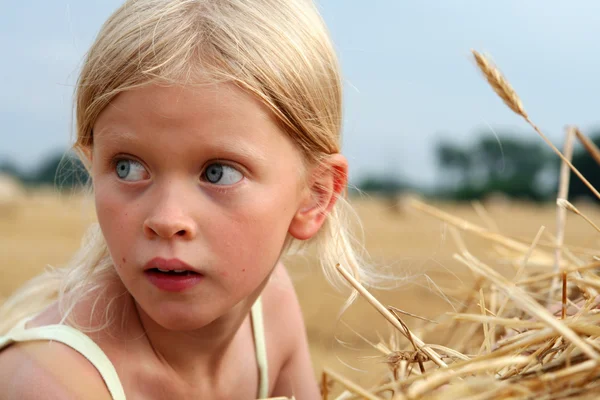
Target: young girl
{"type": "Point", "coordinates": [211, 131]}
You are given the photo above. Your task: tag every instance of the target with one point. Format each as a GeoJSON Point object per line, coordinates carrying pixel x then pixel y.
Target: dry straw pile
{"type": "Point", "coordinates": [540, 326]}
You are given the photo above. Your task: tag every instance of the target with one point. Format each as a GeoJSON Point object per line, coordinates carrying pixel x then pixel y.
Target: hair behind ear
{"type": "Point", "coordinates": [336, 245]}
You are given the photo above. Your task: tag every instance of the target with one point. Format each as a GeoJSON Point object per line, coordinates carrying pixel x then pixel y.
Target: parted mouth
{"type": "Point", "coordinates": [172, 266]}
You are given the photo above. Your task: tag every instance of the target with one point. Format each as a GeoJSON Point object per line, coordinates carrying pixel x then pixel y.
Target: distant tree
{"type": "Point", "coordinates": [513, 166]}
{"type": "Point", "coordinates": [517, 167]}
{"type": "Point", "coordinates": [63, 170]}
{"type": "Point", "coordinates": [381, 185]}
{"type": "Point", "coordinates": [454, 161]}
{"type": "Point", "coordinates": [7, 167]}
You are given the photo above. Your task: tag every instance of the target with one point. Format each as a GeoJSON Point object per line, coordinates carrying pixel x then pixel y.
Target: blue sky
{"type": "Point", "coordinates": [408, 77]}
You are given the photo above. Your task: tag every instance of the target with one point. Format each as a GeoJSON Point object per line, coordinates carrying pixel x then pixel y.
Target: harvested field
{"type": "Point", "coordinates": [416, 248]}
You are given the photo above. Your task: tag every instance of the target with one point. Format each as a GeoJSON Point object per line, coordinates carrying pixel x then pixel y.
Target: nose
{"type": "Point", "coordinates": [169, 219]}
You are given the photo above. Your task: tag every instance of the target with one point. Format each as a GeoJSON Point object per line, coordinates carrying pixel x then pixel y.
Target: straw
{"type": "Point", "coordinates": [561, 214]}
{"type": "Point", "coordinates": [390, 317]}
{"type": "Point", "coordinates": [523, 300]}
{"type": "Point", "coordinates": [510, 345]}
{"type": "Point", "coordinates": [590, 146]}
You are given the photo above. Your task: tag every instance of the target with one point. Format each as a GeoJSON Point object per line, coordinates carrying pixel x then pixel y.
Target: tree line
{"type": "Point", "coordinates": [63, 170]}
{"type": "Point", "coordinates": [517, 166]}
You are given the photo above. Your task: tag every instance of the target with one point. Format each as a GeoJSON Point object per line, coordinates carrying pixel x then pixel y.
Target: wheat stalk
{"type": "Point", "coordinates": [563, 203]}
{"type": "Point", "coordinates": [348, 384]}
{"type": "Point", "coordinates": [561, 218]}
{"type": "Point", "coordinates": [588, 145]}
{"type": "Point", "coordinates": [393, 319]}
{"type": "Point", "coordinates": [511, 99]}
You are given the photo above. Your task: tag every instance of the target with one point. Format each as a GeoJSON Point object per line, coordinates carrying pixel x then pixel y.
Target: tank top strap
{"type": "Point", "coordinates": [75, 339]}
{"type": "Point", "coordinates": [85, 346]}
{"type": "Point", "coordinates": [260, 345]}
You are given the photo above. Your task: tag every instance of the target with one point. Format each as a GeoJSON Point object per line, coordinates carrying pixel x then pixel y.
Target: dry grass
{"type": "Point", "coordinates": [520, 350]}
{"type": "Point", "coordinates": [523, 350]}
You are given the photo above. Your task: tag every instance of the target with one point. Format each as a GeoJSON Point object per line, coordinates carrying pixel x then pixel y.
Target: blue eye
{"type": "Point", "coordinates": [130, 170]}
{"type": "Point", "coordinates": [221, 174]}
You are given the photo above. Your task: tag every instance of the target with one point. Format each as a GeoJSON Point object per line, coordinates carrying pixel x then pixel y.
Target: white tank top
{"type": "Point", "coordinates": [82, 343]}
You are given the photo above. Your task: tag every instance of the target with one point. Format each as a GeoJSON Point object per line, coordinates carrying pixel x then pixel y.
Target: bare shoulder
{"type": "Point", "coordinates": [286, 336]}
{"type": "Point", "coordinates": [52, 370]}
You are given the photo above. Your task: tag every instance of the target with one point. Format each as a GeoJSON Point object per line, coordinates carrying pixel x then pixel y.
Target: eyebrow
{"type": "Point", "coordinates": [243, 150]}
{"type": "Point", "coordinates": [117, 134]}
{"type": "Point", "coordinates": [224, 145]}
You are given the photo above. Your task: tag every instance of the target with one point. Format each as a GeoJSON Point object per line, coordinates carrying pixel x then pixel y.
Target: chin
{"type": "Point", "coordinates": [180, 317]}
{"type": "Point", "coordinates": [181, 324]}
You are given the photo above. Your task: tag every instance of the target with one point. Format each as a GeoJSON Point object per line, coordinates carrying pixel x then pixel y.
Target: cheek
{"type": "Point", "coordinates": [256, 232]}
{"type": "Point", "coordinates": [108, 211]}
{"type": "Point", "coordinates": [115, 220]}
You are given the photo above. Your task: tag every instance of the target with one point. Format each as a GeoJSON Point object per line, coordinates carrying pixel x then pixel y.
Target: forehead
{"type": "Point", "coordinates": [173, 105]}
{"type": "Point", "coordinates": [217, 114]}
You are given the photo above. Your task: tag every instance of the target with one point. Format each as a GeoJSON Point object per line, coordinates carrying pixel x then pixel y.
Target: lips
{"type": "Point", "coordinates": [171, 275]}
{"type": "Point", "coordinates": [169, 265]}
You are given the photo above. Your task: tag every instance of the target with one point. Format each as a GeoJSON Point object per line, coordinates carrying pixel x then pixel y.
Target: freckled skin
{"type": "Point", "coordinates": [172, 212]}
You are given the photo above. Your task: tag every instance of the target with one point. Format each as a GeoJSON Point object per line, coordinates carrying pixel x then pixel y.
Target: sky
{"type": "Point", "coordinates": [409, 80]}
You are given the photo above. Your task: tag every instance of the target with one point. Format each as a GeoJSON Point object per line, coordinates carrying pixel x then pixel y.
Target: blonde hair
{"type": "Point", "coordinates": [278, 50]}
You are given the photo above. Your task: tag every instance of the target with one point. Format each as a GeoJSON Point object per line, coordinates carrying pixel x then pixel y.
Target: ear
{"type": "Point", "coordinates": [326, 183]}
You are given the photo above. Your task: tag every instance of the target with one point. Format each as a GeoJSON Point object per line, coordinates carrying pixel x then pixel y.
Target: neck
{"type": "Point", "coordinates": [186, 355]}
{"type": "Point", "coordinates": [203, 351]}
{"type": "Point", "coordinates": [185, 352]}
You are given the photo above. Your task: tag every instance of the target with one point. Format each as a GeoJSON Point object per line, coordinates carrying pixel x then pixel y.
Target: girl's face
{"type": "Point", "coordinates": [197, 178]}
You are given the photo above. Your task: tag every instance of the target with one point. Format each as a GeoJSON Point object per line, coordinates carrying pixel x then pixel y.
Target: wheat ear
{"type": "Point", "coordinates": [499, 84]}
{"type": "Point", "coordinates": [511, 99]}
